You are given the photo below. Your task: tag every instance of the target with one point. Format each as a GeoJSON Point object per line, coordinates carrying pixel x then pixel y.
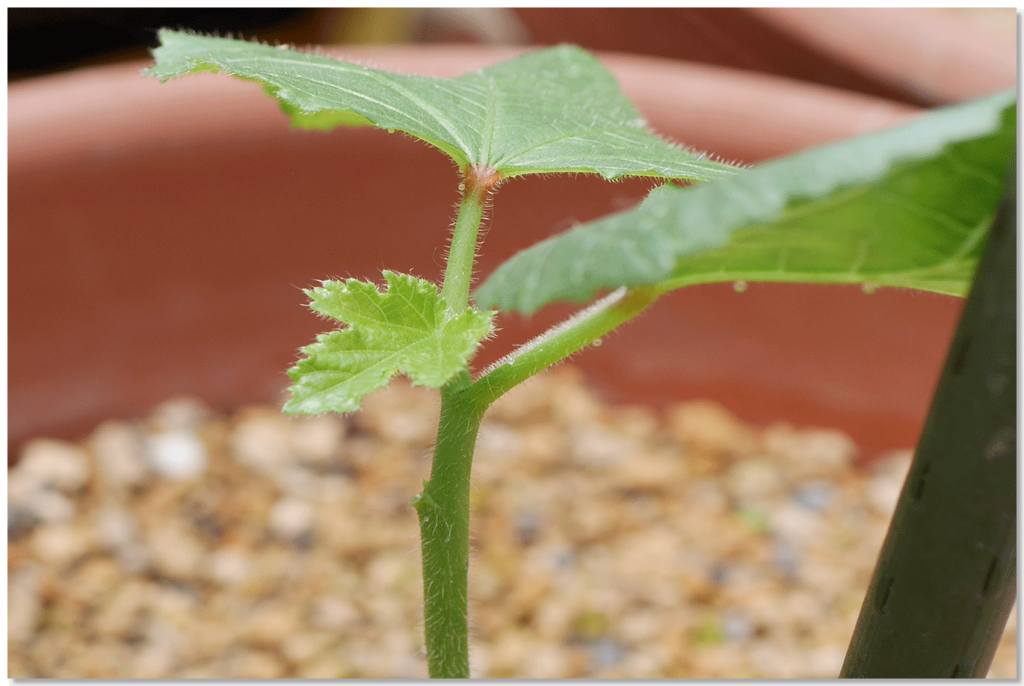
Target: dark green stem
{"type": "Point", "coordinates": [946, 576]}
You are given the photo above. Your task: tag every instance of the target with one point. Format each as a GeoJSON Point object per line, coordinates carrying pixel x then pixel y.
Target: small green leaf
{"type": "Point", "coordinates": [555, 110]}
{"type": "Point", "coordinates": [908, 207]}
{"type": "Point", "coordinates": [401, 330]}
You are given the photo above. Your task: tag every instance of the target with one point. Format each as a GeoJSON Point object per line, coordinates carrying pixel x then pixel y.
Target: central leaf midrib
{"type": "Point", "coordinates": [490, 117]}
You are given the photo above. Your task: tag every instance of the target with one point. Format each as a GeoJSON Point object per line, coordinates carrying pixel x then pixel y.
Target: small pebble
{"type": "Point", "coordinates": [260, 440]}
{"type": "Point", "coordinates": [24, 606]}
{"type": "Point", "coordinates": [115, 527]}
{"type": "Point", "coordinates": [334, 613]}
{"type": "Point", "coordinates": [61, 544]}
{"type": "Point", "coordinates": [811, 452]}
{"type": "Point", "coordinates": [53, 464]}
{"type": "Point", "coordinates": [120, 455]}
{"type": "Point", "coordinates": [316, 440]}
{"type": "Point", "coordinates": [736, 626]}
{"type": "Point", "coordinates": [291, 518]}
{"type": "Point", "coordinates": [176, 454]}
{"type": "Point", "coordinates": [606, 652]}
{"type": "Point", "coordinates": [228, 567]}
{"type": "Point", "coordinates": [179, 414]}
{"type": "Point", "coordinates": [51, 507]}
{"type": "Point", "coordinates": [816, 495]}
{"type": "Point", "coordinates": [174, 552]}
{"type": "Point", "coordinates": [708, 427]}
{"type": "Point", "coordinates": [753, 479]}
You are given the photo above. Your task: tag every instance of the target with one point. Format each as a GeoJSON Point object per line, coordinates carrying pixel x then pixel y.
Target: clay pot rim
{"type": "Point", "coordinates": [720, 101]}
{"type": "Point", "coordinates": [925, 51]}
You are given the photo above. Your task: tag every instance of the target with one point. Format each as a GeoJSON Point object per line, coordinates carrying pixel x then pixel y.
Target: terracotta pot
{"type": "Point", "coordinates": [159, 236]}
{"type": "Point", "coordinates": [919, 56]}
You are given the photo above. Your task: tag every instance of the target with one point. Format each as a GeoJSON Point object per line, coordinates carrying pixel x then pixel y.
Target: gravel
{"type": "Point", "coordinates": [609, 542]}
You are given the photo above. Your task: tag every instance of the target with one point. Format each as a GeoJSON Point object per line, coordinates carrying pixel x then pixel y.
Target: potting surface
{"type": "Point", "coordinates": [609, 541]}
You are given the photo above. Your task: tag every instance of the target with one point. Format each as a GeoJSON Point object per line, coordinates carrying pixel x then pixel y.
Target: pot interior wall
{"type": "Point", "coordinates": [178, 269]}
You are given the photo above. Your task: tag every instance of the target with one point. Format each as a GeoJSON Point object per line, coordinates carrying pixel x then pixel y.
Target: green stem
{"type": "Point", "coordinates": [443, 507]}
{"type": "Point", "coordinates": [443, 510]}
{"type": "Point", "coordinates": [458, 272]}
{"type": "Point", "coordinates": [552, 347]}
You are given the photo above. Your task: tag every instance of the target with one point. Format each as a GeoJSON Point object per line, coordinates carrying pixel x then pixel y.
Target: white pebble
{"type": "Point", "coordinates": [595, 446]}
{"type": "Point", "coordinates": [176, 454]}
{"type": "Point", "coordinates": [825, 662]}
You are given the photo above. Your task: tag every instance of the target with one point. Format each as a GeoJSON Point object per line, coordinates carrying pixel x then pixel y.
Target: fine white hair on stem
{"type": "Point", "coordinates": [584, 314]}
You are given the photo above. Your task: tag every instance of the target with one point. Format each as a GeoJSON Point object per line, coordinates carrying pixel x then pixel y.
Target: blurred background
{"type": "Point", "coordinates": [44, 40]}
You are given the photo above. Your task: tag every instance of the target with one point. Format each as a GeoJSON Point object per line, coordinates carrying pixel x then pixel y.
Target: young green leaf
{"type": "Point", "coordinates": [555, 110]}
{"type": "Point", "coordinates": [908, 207]}
{"type": "Point", "coordinates": [401, 330]}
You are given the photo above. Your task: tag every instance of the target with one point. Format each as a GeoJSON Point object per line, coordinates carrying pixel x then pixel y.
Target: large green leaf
{"type": "Point", "coordinates": [907, 207]}
{"type": "Point", "coordinates": [404, 329]}
{"type": "Point", "coordinates": [555, 110]}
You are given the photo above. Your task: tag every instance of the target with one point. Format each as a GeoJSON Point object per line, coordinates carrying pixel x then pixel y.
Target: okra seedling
{"type": "Point", "coordinates": [904, 208]}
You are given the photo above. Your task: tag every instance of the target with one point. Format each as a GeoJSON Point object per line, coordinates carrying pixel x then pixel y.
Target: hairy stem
{"type": "Point", "coordinates": [443, 510]}
{"type": "Point", "coordinates": [558, 343]}
{"type": "Point", "coordinates": [443, 506]}
{"type": "Point", "coordinates": [458, 274]}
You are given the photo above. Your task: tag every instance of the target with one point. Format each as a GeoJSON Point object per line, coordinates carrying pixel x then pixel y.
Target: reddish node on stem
{"type": "Point", "coordinates": [482, 179]}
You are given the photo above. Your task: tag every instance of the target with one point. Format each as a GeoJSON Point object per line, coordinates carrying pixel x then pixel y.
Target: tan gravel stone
{"type": "Point", "coordinates": [174, 551]}
{"type": "Point", "coordinates": [811, 452]}
{"type": "Point", "coordinates": [329, 665]}
{"type": "Point", "coordinates": [255, 664]}
{"type": "Point", "coordinates": [24, 605]}
{"type": "Point", "coordinates": [120, 459]}
{"type": "Point", "coordinates": [61, 544]}
{"type": "Point", "coordinates": [54, 464]}
{"type": "Point", "coordinates": [119, 613]}
{"type": "Point", "coordinates": [317, 440]}
{"type": "Point", "coordinates": [708, 427]}
{"type": "Point", "coordinates": [271, 623]}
